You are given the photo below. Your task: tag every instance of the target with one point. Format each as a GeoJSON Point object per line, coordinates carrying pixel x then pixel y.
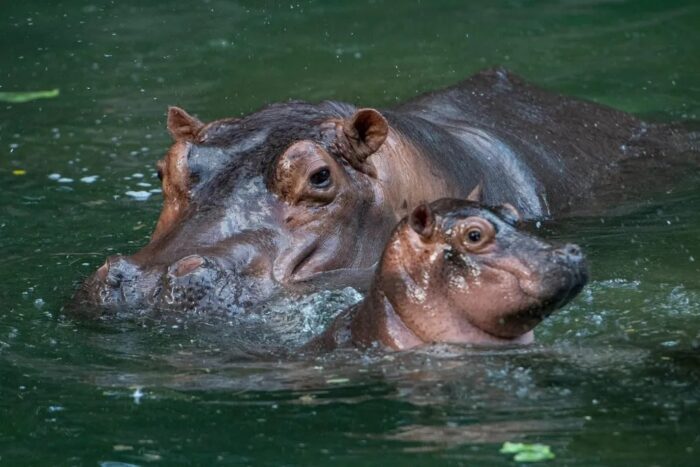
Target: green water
{"type": "Point", "coordinates": [614, 379]}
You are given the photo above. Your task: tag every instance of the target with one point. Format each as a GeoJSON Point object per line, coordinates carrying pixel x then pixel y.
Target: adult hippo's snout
{"type": "Point", "coordinates": [193, 283]}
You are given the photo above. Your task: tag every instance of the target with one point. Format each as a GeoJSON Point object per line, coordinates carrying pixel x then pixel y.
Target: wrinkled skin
{"type": "Point", "coordinates": [303, 195]}
{"type": "Point", "coordinates": [456, 272]}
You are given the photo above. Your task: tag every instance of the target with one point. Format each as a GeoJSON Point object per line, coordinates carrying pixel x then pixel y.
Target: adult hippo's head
{"type": "Point", "coordinates": [282, 197]}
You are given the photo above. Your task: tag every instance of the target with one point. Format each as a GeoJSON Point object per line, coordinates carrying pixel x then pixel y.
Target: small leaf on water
{"type": "Point", "coordinates": [22, 97]}
{"type": "Point", "coordinates": [512, 448]}
{"type": "Point", "coordinates": [534, 456]}
{"type": "Point", "coordinates": [528, 452]}
{"type": "Point", "coordinates": [19, 172]}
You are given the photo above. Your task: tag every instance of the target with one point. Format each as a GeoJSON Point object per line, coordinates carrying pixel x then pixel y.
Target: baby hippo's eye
{"type": "Point", "coordinates": [478, 234]}
{"type": "Point", "coordinates": [321, 178]}
{"type": "Point", "coordinates": [474, 235]}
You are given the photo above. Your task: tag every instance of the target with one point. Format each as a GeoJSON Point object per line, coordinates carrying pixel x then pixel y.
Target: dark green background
{"type": "Point", "coordinates": [615, 379]}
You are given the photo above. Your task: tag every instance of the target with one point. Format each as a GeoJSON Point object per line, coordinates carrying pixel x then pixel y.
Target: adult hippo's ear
{"type": "Point", "coordinates": [476, 195]}
{"type": "Point", "coordinates": [365, 133]}
{"type": "Point", "coordinates": [181, 125]}
{"type": "Point", "coordinates": [174, 170]}
{"type": "Point", "coordinates": [422, 220]}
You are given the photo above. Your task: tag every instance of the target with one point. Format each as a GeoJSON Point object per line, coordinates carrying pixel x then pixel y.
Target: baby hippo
{"type": "Point", "coordinates": [455, 271]}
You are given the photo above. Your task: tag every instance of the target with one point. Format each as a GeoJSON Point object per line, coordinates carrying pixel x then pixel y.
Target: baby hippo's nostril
{"type": "Point", "coordinates": [573, 250]}
{"type": "Point", "coordinates": [187, 265]}
{"type": "Point", "coordinates": [570, 252]}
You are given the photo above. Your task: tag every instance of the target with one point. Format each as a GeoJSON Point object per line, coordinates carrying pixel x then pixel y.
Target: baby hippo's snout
{"type": "Point", "coordinates": [573, 258]}
{"type": "Point", "coordinates": [563, 273]}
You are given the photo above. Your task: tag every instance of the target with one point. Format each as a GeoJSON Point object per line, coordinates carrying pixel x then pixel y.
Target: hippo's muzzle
{"type": "Point", "coordinates": [118, 284]}
{"type": "Point", "coordinates": [564, 275]}
{"type": "Point", "coordinates": [191, 284]}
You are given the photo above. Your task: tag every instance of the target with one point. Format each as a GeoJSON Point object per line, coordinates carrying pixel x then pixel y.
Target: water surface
{"type": "Point", "coordinates": [613, 380]}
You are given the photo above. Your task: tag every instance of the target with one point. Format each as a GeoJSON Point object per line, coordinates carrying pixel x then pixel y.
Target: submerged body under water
{"type": "Point", "coordinates": [614, 378]}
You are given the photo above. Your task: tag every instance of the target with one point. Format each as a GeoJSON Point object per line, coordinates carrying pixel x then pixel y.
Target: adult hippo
{"type": "Point", "coordinates": [297, 193]}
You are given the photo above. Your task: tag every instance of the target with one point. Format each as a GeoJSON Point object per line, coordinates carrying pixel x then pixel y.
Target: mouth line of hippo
{"type": "Point", "coordinates": [296, 271]}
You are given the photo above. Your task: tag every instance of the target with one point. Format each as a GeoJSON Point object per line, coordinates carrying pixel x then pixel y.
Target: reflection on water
{"type": "Point", "coordinates": [613, 380]}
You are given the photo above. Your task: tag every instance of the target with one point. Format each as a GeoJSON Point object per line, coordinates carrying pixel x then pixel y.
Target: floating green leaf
{"type": "Point", "coordinates": [512, 448]}
{"type": "Point", "coordinates": [527, 452]}
{"type": "Point", "coordinates": [534, 456]}
{"type": "Point", "coordinates": [22, 97]}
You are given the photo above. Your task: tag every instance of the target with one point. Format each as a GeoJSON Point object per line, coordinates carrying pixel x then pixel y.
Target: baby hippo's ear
{"type": "Point", "coordinates": [422, 220]}
{"type": "Point", "coordinates": [510, 213]}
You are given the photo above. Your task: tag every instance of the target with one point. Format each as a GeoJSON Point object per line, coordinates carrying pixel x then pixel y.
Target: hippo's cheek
{"type": "Point", "coordinates": [494, 302]}
{"type": "Point", "coordinates": [312, 256]}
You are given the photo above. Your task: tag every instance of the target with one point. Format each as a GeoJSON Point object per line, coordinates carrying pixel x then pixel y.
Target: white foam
{"type": "Point", "coordinates": [139, 195]}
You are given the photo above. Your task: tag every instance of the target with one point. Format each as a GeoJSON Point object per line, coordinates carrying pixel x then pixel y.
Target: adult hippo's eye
{"type": "Point", "coordinates": [474, 236]}
{"type": "Point", "coordinates": [306, 174]}
{"type": "Point", "coordinates": [321, 178]}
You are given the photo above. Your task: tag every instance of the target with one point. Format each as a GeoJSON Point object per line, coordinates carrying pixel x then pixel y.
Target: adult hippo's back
{"type": "Point", "coordinates": [300, 193]}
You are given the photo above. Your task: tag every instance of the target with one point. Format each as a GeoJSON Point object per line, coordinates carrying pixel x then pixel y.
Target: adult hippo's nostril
{"type": "Point", "coordinates": [186, 265]}
{"type": "Point", "coordinates": [116, 270]}
{"type": "Point", "coordinates": [103, 271]}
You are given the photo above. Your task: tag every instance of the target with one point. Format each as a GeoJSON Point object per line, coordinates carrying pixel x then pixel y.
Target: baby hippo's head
{"type": "Point", "coordinates": [455, 271]}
